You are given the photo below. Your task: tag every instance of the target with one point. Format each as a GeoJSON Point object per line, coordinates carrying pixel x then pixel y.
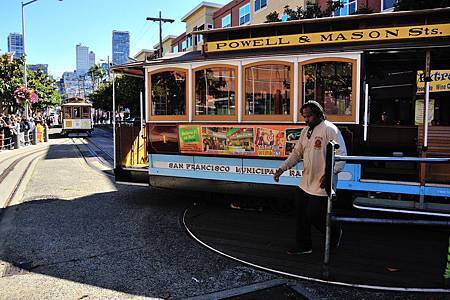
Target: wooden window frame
{"type": "Point", "coordinates": [88, 112]}
{"type": "Point", "coordinates": [73, 112]}
{"type": "Point", "coordinates": [332, 118]}
{"type": "Point", "coordinates": [186, 100]}
{"type": "Point", "coordinates": [233, 117]}
{"type": "Point", "coordinates": [274, 118]}
{"type": "Point", "coordinates": [69, 108]}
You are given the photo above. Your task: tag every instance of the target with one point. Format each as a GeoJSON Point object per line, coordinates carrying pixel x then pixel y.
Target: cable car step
{"type": "Point", "coordinates": [402, 206]}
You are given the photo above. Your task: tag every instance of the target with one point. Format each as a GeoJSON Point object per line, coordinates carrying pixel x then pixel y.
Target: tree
{"type": "Point", "coordinates": [11, 78]}
{"type": "Point", "coordinates": [127, 94]}
{"type": "Point", "coordinates": [312, 11]}
{"type": "Point", "coordinates": [97, 74]}
{"type": "Point", "coordinates": [45, 88]}
{"type": "Point", "coordinates": [401, 5]}
{"type": "Point", "coordinates": [272, 17]}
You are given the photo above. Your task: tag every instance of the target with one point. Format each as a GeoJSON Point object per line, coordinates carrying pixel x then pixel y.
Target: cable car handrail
{"type": "Point", "coordinates": [393, 158]}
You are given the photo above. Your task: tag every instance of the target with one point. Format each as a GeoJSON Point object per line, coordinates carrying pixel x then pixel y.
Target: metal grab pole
{"type": "Point", "coordinates": [329, 175]}
{"type": "Point", "coordinates": [114, 118]}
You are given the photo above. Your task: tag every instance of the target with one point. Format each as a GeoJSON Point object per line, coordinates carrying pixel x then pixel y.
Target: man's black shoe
{"type": "Point", "coordinates": [299, 251]}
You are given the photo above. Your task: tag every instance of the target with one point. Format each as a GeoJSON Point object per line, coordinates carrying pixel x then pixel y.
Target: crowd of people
{"type": "Point", "coordinates": [19, 129]}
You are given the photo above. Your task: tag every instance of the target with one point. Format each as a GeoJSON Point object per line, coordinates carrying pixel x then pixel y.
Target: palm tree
{"type": "Point", "coordinates": [97, 73]}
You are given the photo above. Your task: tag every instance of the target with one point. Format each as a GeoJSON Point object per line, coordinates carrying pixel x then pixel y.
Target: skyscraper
{"type": "Point", "coordinates": [91, 59]}
{"type": "Point", "coordinates": [15, 44]}
{"type": "Point", "coordinates": [41, 67]}
{"type": "Point", "coordinates": [82, 59]}
{"type": "Point", "coordinates": [120, 47]}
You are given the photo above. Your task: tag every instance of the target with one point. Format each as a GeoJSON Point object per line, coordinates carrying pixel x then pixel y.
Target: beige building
{"type": "Point", "coordinates": [199, 18]}
{"type": "Point", "coordinates": [144, 54]}
{"type": "Point", "coordinates": [259, 9]}
{"type": "Point", "coordinates": [167, 44]}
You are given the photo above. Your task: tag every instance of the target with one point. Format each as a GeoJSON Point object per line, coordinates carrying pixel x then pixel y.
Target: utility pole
{"type": "Point", "coordinates": [160, 20]}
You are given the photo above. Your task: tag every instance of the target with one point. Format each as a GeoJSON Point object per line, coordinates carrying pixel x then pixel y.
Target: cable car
{"type": "Point", "coordinates": [76, 117]}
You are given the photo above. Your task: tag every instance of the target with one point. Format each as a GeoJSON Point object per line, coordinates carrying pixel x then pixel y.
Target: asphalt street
{"type": "Point", "coordinates": [79, 235]}
{"type": "Point", "coordinates": [76, 234]}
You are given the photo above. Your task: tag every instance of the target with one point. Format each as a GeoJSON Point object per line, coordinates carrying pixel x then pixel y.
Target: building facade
{"type": "Point", "coordinates": [351, 6]}
{"type": "Point", "coordinates": [41, 67]}
{"type": "Point", "coordinates": [166, 45]}
{"type": "Point", "coordinates": [199, 18]}
{"type": "Point", "coordinates": [245, 12]}
{"type": "Point", "coordinates": [15, 44]}
{"type": "Point", "coordinates": [82, 59]}
{"type": "Point", "coordinates": [91, 59]}
{"type": "Point", "coordinates": [120, 47]}
{"type": "Point", "coordinates": [73, 84]}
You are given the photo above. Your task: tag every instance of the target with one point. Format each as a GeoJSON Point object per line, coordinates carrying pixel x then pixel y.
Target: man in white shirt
{"type": "Point", "coordinates": [311, 198]}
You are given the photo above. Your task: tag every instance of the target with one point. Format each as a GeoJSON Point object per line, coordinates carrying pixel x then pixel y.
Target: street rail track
{"type": "Point", "coordinates": [108, 173]}
{"type": "Point", "coordinates": [100, 149]}
{"type": "Point", "coordinates": [11, 167]}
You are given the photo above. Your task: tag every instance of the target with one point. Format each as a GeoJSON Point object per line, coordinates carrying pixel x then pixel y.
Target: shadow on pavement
{"type": "Point", "coordinates": [128, 241]}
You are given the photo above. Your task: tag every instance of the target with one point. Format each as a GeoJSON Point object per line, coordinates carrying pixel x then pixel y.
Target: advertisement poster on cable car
{"type": "Point", "coordinates": [250, 140]}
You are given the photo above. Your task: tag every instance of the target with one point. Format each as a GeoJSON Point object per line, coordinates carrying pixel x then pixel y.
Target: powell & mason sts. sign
{"type": "Point", "coordinates": [331, 37]}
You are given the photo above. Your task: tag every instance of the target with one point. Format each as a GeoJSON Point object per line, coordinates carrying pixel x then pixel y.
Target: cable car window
{"type": "Point", "coordinates": [76, 112]}
{"type": "Point", "coordinates": [168, 93]}
{"type": "Point", "coordinates": [67, 112]}
{"type": "Point", "coordinates": [268, 89]}
{"type": "Point", "coordinates": [330, 84]}
{"type": "Point", "coordinates": [215, 91]}
{"type": "Point", "coordinates": [86, 112]}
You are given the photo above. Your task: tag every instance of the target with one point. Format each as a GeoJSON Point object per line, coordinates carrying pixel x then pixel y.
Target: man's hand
{"type": "Point", "coordinates": [277, 174]}
{"type": "Point", "coordinates": [322, 182]}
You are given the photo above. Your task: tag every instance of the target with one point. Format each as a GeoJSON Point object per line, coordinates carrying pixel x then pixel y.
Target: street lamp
{"type": "Point", "coordinates": [23, 47]}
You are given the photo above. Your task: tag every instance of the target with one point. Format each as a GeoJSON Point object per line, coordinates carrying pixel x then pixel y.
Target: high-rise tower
{"type": "Point", "coordinates": [15, 44]}
{"type": "Point", "coordinates": [91, 59]}
{"type": "Point", "coordinates": [82, 59]}
{"type": "Point", "coordinates": [120, 47]}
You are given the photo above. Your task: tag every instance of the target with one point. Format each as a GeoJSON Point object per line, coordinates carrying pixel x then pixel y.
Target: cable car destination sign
{"type": "Point", "coordinates": [332, 37]}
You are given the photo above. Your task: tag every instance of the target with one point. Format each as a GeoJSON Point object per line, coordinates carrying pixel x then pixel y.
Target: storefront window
{"type": "Point", "coordinates": [330, 84]}
{"type": "Point", "coordinates": [168, 93]}
{"type": "Point", "coordinates": [268, 89]}
{"type": "Point", "coordinates": [215, 90]}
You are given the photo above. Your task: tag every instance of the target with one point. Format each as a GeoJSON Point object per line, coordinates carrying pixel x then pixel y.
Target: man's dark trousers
{"type": "Point", "coordinates": [312, 210]}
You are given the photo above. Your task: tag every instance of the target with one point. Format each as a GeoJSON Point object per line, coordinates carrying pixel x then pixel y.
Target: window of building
{"type": "Point", "coordinates": [244, 14]}
{"type": "Point", "coordinates": [215, 91]}
{"type": "Point", "coordinates": [184, 45]}
{"type": "Point", "coordinates": [332, 84]}
{"type": "Point", "coordinates": [168, 93]}
{"type": "Point", "coordinates": [260, 4]}
{"type": "Point", "coordinates": [199, 38]}
{"type": "Point", "coordinates": [268, 89]}
{"type": "Point", "coordinates": [175, 49]}
{"type": "Point", "coordinates": [348, 7]}
{"type": "Point", "coordinates": [388, 4]}
{"type": "Point", "coordinates": [226, 21]}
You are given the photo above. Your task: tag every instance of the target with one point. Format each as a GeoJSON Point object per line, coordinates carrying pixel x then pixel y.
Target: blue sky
{"type": "Point", "coordinates": [53, 28]}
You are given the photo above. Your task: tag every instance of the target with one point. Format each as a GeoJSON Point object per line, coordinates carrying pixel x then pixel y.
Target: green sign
{"type": "Point", "coordinates": [189, 134]}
